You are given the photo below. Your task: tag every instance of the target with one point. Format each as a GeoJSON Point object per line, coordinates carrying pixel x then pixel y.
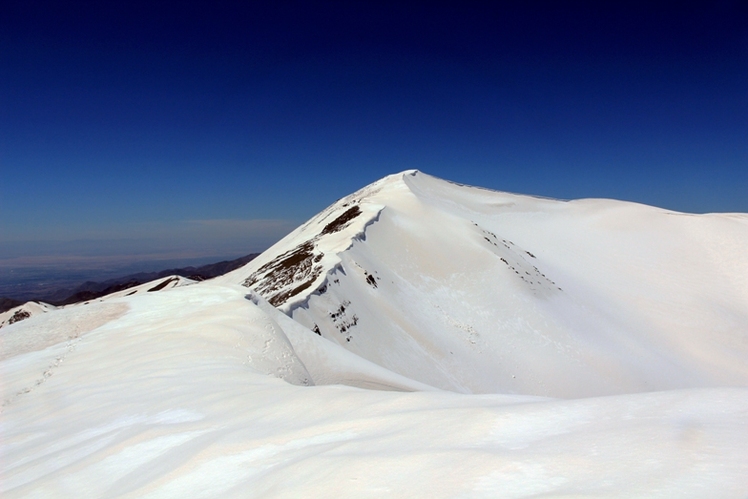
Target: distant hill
{"type": "Point", "coordinates": [8, 303]}
{"type": "Point", "coordinates": [90, 290]}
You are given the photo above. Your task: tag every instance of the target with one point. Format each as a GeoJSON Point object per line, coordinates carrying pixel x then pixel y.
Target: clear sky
{"type": "Point", "coordinates": [184, 129]}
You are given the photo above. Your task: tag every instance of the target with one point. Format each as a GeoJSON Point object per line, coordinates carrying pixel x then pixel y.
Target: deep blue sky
{"type": "Point", "coordinates": [208, 128]}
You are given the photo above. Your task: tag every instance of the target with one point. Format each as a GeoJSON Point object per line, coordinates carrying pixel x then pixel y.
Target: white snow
{"type": "Point", "coordinates": [484, 292]}
{"type": "Point", "coordinates": [605, 355]}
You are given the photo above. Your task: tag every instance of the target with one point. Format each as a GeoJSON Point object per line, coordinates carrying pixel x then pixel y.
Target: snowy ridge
{"type": "Point", "coordinates": [32, 308]}
{"type": "Point", "coordinates": [601, 348]}
{"type": "Point", "coordinates": [297, 266]}
{"type": "Point", "coordinates": [480, 291]}
{"type": "Point", "coordinates": [22, 312]}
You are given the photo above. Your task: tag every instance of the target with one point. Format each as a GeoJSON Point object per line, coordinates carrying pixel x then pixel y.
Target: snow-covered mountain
{"type": "Point", "coordinates": [597, 347]}
{"type": "Point", "coordinates": [478, 291]}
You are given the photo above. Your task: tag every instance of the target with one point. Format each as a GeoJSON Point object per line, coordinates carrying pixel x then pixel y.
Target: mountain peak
{"type": "Point", "coordinates": [483, 283]}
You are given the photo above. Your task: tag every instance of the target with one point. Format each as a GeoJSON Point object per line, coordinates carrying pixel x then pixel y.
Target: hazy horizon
{"type": "Point", "coordinates": [28, 282]}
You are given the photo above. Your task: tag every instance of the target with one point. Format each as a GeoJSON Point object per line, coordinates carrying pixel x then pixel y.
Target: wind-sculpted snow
{"type": "Point", "coordinates": [479, 291]}
{"type": "Point", "coordinates": [297, 269]}
{"type": "Point", "coordinates": [184, 396]}
{"type": "Point", "coordinates": [634, 319]}
{"type": "Point", "coordinates": [289, 272]}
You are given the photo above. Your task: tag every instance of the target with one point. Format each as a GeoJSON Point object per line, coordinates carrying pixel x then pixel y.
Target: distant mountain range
{"type": "Point", "coordinates": [90, 290]}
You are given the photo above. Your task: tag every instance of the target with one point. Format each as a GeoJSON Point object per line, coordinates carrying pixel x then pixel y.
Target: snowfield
{"type": "Point", "coordinates": [418, 338]}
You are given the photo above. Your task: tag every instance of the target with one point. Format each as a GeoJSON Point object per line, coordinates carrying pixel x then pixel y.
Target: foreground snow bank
{"type": "Point", "coordinates": [181, 396]}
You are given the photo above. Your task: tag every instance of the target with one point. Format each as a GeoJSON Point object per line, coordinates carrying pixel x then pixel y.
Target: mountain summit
{"type": "Point", "coordinates": [478, 291]}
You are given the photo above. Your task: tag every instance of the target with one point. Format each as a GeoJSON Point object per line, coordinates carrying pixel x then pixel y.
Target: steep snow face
{"type": "Point", "coordinates": [297, 266]}
{"type": "Point", "coordinates": [479, 291]}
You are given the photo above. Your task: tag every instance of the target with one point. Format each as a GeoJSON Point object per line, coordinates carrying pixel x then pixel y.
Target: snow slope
{"type": "Point", "coordinates": [207, 389]}
{"type": "Point", "coordinates": [479, 291]}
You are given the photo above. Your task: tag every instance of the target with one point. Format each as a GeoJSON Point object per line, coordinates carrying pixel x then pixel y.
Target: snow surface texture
{"type": "Point", "coordinates": [601, 349]}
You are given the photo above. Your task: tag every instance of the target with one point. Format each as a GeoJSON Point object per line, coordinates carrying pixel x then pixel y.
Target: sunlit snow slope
{"type": "Point", "coordinates": [479, 291]}
{"type": "Point", "coordinates": [609, 341]}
